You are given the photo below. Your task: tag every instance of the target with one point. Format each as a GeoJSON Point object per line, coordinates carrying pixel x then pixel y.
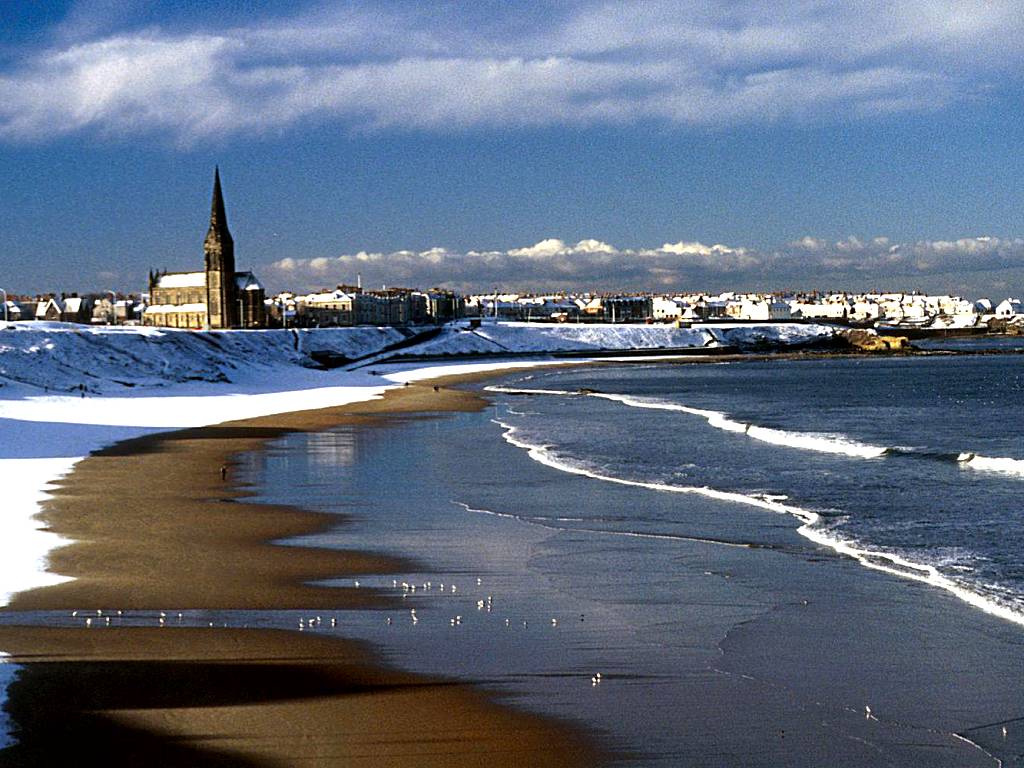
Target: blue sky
{"type": "Point", "coordinates": [578, 145]}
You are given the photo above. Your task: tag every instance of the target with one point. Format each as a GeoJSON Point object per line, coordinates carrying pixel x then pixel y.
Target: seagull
{"type": "Point", "coordinates": [867, 712]}
{"type": "Point", "coordinates": [88, 622]}
{"type": "Point", "coordinates": [1004, 731]}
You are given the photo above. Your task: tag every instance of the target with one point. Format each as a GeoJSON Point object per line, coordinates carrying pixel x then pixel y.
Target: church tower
{"type": "Point", "coordinates": [221, 301]}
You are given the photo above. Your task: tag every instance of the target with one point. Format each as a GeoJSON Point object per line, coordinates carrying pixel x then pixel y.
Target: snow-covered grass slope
{"type": "Point", "coordinates": [63, 357]}
{"type": "Point", "coordinates": [524, 338]}
{"type": "Point", "coordinates": [772, 335]}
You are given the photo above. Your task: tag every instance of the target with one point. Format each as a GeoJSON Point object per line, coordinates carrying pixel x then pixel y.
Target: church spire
{"type": "Point", "coordinates": [219, 248]}
{"type": "Point", "coordinates": [218, 215]}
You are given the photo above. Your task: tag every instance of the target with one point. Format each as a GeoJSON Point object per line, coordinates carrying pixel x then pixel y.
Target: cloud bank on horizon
{"type": "Point", "coordinates": [552, 265]}
{"type": "Point", "coordinates": [370, 66]}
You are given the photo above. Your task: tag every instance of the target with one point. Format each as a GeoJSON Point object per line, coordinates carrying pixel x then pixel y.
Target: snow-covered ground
{"type": "Point", "coordinates": [530, 338]}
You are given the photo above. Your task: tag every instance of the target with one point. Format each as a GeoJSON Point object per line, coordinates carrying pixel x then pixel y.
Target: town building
{"type": "Point", "coordinates": [218, 297]}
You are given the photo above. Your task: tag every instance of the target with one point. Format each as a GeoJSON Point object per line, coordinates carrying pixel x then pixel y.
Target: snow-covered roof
{"type": "Point", "coordinates": [43, 306]}
{"type": "Point", "coordinates": [182, 280]}
{"type": "Point", "coordinates": [246, 281]}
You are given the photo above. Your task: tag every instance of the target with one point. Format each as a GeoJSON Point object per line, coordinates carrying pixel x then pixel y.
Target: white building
{"type": "Point", "coordinates": [1009, 308]}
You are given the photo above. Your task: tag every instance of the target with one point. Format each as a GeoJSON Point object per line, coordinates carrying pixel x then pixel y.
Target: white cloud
{"type": "Point", "coordinates": [555, 247]}
{"type": "Point", "coordinates": [552, 264]}
{"type": "Point", "coordinates": [372, 67]}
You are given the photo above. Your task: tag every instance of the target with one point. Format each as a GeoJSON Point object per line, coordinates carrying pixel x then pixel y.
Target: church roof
{"type": "Point", "coordinates": [182, 280]}
{"type": "Point", "coordinates": [246, 281]}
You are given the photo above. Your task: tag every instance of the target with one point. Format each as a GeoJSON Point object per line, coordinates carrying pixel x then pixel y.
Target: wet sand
{"type": "Point", "coordinates": [159, 524]}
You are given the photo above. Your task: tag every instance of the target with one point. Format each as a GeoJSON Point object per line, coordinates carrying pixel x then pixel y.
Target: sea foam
{"type": "Point", "coordinates": [811, 526]}
{"type": "Point", "coordinates": [1004, 466]}
{"type": "Point", "coordinates": [808, 441]}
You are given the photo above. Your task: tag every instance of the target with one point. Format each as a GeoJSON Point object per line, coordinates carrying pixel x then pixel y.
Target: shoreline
{"type": "Point", "coordinates": [192, 516]}
{"type": "Point", "coordinates": [239, 433]}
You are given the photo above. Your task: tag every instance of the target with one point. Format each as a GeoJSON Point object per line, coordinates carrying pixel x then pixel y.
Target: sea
{"type": "Point", "coordinates": [910, 465]}
{"type": "Point", "coordinates": [771, 561]}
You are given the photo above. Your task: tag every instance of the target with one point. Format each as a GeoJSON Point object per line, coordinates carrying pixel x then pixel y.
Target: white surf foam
{"type": "Point", "coordinates": [807, 441]}
{"type": "Point", "coordinates": [812, 527]}
{"type": "Point", "coordinates": [1002, 465]}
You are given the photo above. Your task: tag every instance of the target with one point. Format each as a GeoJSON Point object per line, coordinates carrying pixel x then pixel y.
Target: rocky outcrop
{"type": "Point", "coordinates": [869, 341]}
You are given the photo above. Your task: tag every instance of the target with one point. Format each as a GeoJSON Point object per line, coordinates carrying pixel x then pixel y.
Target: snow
{"type": "Point", "coordinates": [754, 336]}
{"type": "Point", "coordinates": [61, 357]}
{"type": "Point", "coordinates": [527, 338]}
{"type": "Point", "coordinates": [67, 390]}
{"type": "Point", "coordinates": [182, 280]}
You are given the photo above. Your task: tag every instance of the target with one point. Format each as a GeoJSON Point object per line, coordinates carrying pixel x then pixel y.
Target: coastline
{"type": "Point", "coordinates": [184, 538]}
{"type": "Point", "coordinates": [370, 414]}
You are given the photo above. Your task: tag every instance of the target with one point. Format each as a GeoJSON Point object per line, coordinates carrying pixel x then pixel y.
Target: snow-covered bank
{"type": "Point", "coordinates": [62, 357]}
{"type": "Point", "coordinates": [533, 338]}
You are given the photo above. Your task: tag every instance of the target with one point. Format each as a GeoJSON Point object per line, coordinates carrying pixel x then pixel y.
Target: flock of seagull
{"type": "Point", "coordinates": [99, 617]}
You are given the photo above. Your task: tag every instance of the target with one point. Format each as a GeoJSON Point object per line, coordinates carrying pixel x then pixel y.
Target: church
{"type": "Point", "coordinates": [218, 297]}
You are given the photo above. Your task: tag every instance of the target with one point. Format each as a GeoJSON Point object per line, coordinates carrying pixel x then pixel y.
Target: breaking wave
{"type": "Point", "coordinates": [812, 526]}
{"type": "Point", "coordinates": [819, 442]}
{"type": "Point", "coordinates": [992, 464]}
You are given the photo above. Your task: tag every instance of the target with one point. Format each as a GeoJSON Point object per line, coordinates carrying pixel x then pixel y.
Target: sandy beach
{"type": "Point", "coordinates": [160, 525]}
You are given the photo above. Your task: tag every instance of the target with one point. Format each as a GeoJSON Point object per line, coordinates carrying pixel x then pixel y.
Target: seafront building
{"type": "Point", "coordinates": [217, 297]}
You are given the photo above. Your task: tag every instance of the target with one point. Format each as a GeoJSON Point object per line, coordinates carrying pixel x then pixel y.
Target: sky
{"type": "Point", "coordinates": [537, 146]}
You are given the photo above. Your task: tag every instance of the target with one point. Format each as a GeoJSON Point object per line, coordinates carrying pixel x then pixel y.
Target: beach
{"type": "Point", "coordinates": [733, 642]}
{"type": "Point", "coordinates": [158, 528]}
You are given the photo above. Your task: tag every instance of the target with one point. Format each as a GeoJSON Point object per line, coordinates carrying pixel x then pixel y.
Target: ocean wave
{"type": "Point", "coordinates": [808, 441]}
{"type": "Point", "coordinates": [1002, 465]}
{"type": "Point", "coordinates": [819, 442]}
{"type": "Point", "coordinates": [813, 526]}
